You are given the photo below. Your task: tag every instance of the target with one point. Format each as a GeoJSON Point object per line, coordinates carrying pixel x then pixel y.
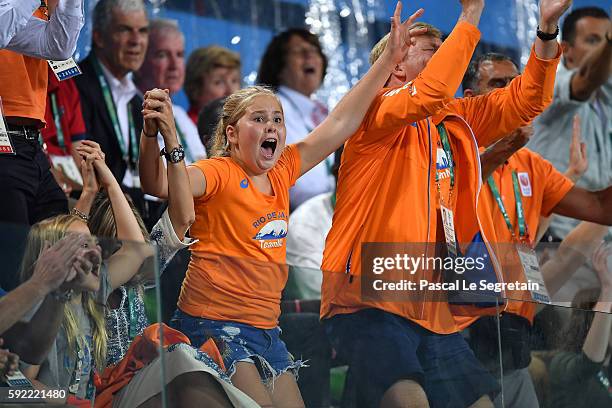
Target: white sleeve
{"type": "Point", "coordinates": [14, 15]}
{"type": "Point", "coordinates": [55, 39]}
{"type": "Point", "coordinates": [168, 243]}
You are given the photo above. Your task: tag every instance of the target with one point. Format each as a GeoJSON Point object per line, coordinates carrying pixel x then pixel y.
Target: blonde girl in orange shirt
{"type": "Point", "coordinates": [236, 274]}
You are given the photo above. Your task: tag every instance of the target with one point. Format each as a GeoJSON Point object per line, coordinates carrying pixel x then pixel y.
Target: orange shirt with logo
{"type": "Point", "coordinates": [24, 83]}
{"type": "Point", "coordinates": [386, 191]}
{"type": "Point", "coordinates": [237, 269]}
{"type": "Point", "coordinates": [541, 187]}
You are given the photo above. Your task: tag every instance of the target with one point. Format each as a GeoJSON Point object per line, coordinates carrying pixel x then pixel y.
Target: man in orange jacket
{"type": "Point", "coordinates": [517, 209]}
{"type": "Point", "coordinates": [392, 188]}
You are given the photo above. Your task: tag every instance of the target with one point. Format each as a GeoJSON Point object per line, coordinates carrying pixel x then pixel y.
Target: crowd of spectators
{"type": "Point", "coordinates": [262, 209]}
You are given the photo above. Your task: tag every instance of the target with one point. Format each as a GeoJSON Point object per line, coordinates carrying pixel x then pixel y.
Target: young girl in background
{"type": "Point", "coordinates": [233, 285]}
{"type": "Point", "coordinates": [80, 346]}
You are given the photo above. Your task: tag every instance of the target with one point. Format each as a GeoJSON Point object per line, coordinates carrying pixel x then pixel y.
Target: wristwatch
{"type": "Point", "coordinates": [547, 36]}
{"type": "Point", "coordinates": [175, 155]}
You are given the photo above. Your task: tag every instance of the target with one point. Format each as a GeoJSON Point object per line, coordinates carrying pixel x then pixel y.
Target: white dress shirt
{"type": "Point", "coordinates": [123, 91]}
{"type": "Point", "coordinates": [194, 149]}
{"type": "Point", "coordinates": [299, 111]}
{"type": "Point", "coordinates": [55, 39]}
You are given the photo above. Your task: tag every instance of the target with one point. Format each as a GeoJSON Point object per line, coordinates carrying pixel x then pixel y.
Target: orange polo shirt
{"type": "Point", "coordinates": [386, 191]}
{"type": "Point", "coordinates": [541, 187]}
{"type": "Point", "coordinates": [237, 270]}
{"type": "Point", "coordinates": [23, 82]}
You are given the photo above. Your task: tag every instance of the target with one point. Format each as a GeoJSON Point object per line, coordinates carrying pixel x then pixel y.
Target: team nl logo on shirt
{"type": "Point", "coordinates": [273, 232]}
{"type": "Point", "coordinates": [442, 165]}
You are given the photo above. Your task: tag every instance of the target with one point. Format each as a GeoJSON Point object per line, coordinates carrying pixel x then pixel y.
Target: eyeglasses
{"type": "Point", "coordinates": [304, 51]}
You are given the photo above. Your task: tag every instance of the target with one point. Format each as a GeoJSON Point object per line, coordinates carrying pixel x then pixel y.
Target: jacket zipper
{"type": "Point", "coordinates": [479, 181]}
{"type": "Point", "coordinates": [428, 203]}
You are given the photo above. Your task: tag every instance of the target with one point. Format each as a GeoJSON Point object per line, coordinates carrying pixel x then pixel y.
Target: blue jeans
{"type": "Point", "coordinates": [240, 342]}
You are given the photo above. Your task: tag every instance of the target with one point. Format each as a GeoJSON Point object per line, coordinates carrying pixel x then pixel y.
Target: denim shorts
{"type": "Point", "coordinates": [382, 348]}
{"type": "Point", "coordinates": [240, 342]}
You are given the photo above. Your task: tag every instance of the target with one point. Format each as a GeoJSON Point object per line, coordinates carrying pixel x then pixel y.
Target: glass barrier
{"type": "Point", "coordinates": [497, 345]}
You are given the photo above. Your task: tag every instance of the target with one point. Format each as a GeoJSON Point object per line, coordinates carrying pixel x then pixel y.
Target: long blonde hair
{"type": "Point", "coordinates": [102, 224]}
{"type": "Point", "coordinates": [233, 109]}
{"type": "Point", "coordinates": [52, 230]}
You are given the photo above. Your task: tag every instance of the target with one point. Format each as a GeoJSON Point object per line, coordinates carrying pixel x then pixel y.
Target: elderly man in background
{"type": "Point", "coordinates": [164, 68]}
{"type": "Point", "coordinates": [294, 64]}
{"type": "Point", "coordinates": [110, 101]}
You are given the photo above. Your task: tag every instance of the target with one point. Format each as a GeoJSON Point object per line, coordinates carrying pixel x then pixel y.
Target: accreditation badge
{"type": "Point", "coordinates": [533, 275]}
{"type": "Point", "coordinates": [449, 230]}
{"type": "Point", "coordinates": [5, 142]}
{"type": "Point", "coordinates": [64, 69]}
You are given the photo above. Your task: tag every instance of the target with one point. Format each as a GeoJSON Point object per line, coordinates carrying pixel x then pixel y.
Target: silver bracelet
{"type": "Point", "coordinates": [79, 214]}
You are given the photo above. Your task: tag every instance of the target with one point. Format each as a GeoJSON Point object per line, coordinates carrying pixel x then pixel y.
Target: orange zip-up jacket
{"type": "Point", "coordinates": [386, 190]}
{"type": "Point", "coordinates": [542, 187]}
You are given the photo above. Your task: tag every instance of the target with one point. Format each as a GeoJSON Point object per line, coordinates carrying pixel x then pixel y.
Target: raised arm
{"type": "Point", "coordinates": [13, 18]}
{"type": "Point", "coordinates": [158, 107]}
{"type": "Point", "coordinates": [594, 70]}
{"type": "Point", "coordinates": [346, 117]}
{"type": "Point", "coordinates": [55, 39]}
{"type": "Point", "coordinates": [126, 262]}
{"type": "Point", "coordinates": [501, 151]}
{"type": "Point", "coordinates": [496, 114]}
{"type": "Point", "coordinates": [578, 164]}
{"type": "Point", "coordinates": [596, 344]}
{"type": "Point", "coordinates": [436, 84]}
{"type": "Point", "coordinates": [574, 250]}
{"type": "Point", "coordinates": [33, 339]}
{"type": "Point", "coordinates": [151, 168]}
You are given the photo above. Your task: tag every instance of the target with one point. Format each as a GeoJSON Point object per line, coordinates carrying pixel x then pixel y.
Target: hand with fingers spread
{"type": "Point", "coordinates": [401, 36]}
{"type": "Point", "coordinates": [578, 162]}
{"type": "Point", "coordinates": [9, 362]}
{"type": "Point", "coordinates": [157, 106]}
{"type": "Point", "coordinates": [53, 266]}
{"type": "Point", "coordinates": [550, 13]}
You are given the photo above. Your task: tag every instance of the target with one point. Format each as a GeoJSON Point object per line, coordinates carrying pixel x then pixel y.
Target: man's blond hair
{"type": "Point", "coordinates": [382, 44]}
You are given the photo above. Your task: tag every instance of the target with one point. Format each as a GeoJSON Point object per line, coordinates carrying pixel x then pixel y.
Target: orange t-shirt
{"type": "Point", "coordinates": [24, 84]}
{"type": "Point", "coordinates": [237, 270]}
{"type": "Point", "coordinates": [542, 187]}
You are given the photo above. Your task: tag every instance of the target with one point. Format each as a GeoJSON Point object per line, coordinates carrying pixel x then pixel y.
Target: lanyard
{"type": "Point", "coordinates": [131, 155]}
{"type": "Point", "coordinates": [449, 153]}
{"type": "Point", "coordinates": [58, 122]}
{"type": "Point", "coordinates": [181, 136]}
{"type": "Point", "coordinates": [520, 215]}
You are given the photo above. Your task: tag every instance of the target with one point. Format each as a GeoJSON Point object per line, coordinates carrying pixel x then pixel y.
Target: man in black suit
{"type": "Point", "coordinates": [110, 101]}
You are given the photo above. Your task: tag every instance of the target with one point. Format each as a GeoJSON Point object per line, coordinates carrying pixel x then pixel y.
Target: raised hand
{"type": "Point", "coordinates": [9, 362]}
{"type": "Point", "coordinates": [600, 264]}
{"type": "Point", "coordinates": [401, 37]}
{"type": "Point", "coordinates": [550, 13]}
{"type": "Point", "coordinates": [94, 157]}
{"type": "Point", "coordinates": [158, 107]}
{"type": "Point", "coordinates": [50, 269]}
{"type": "Point", "coordinates": [578, 162]}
